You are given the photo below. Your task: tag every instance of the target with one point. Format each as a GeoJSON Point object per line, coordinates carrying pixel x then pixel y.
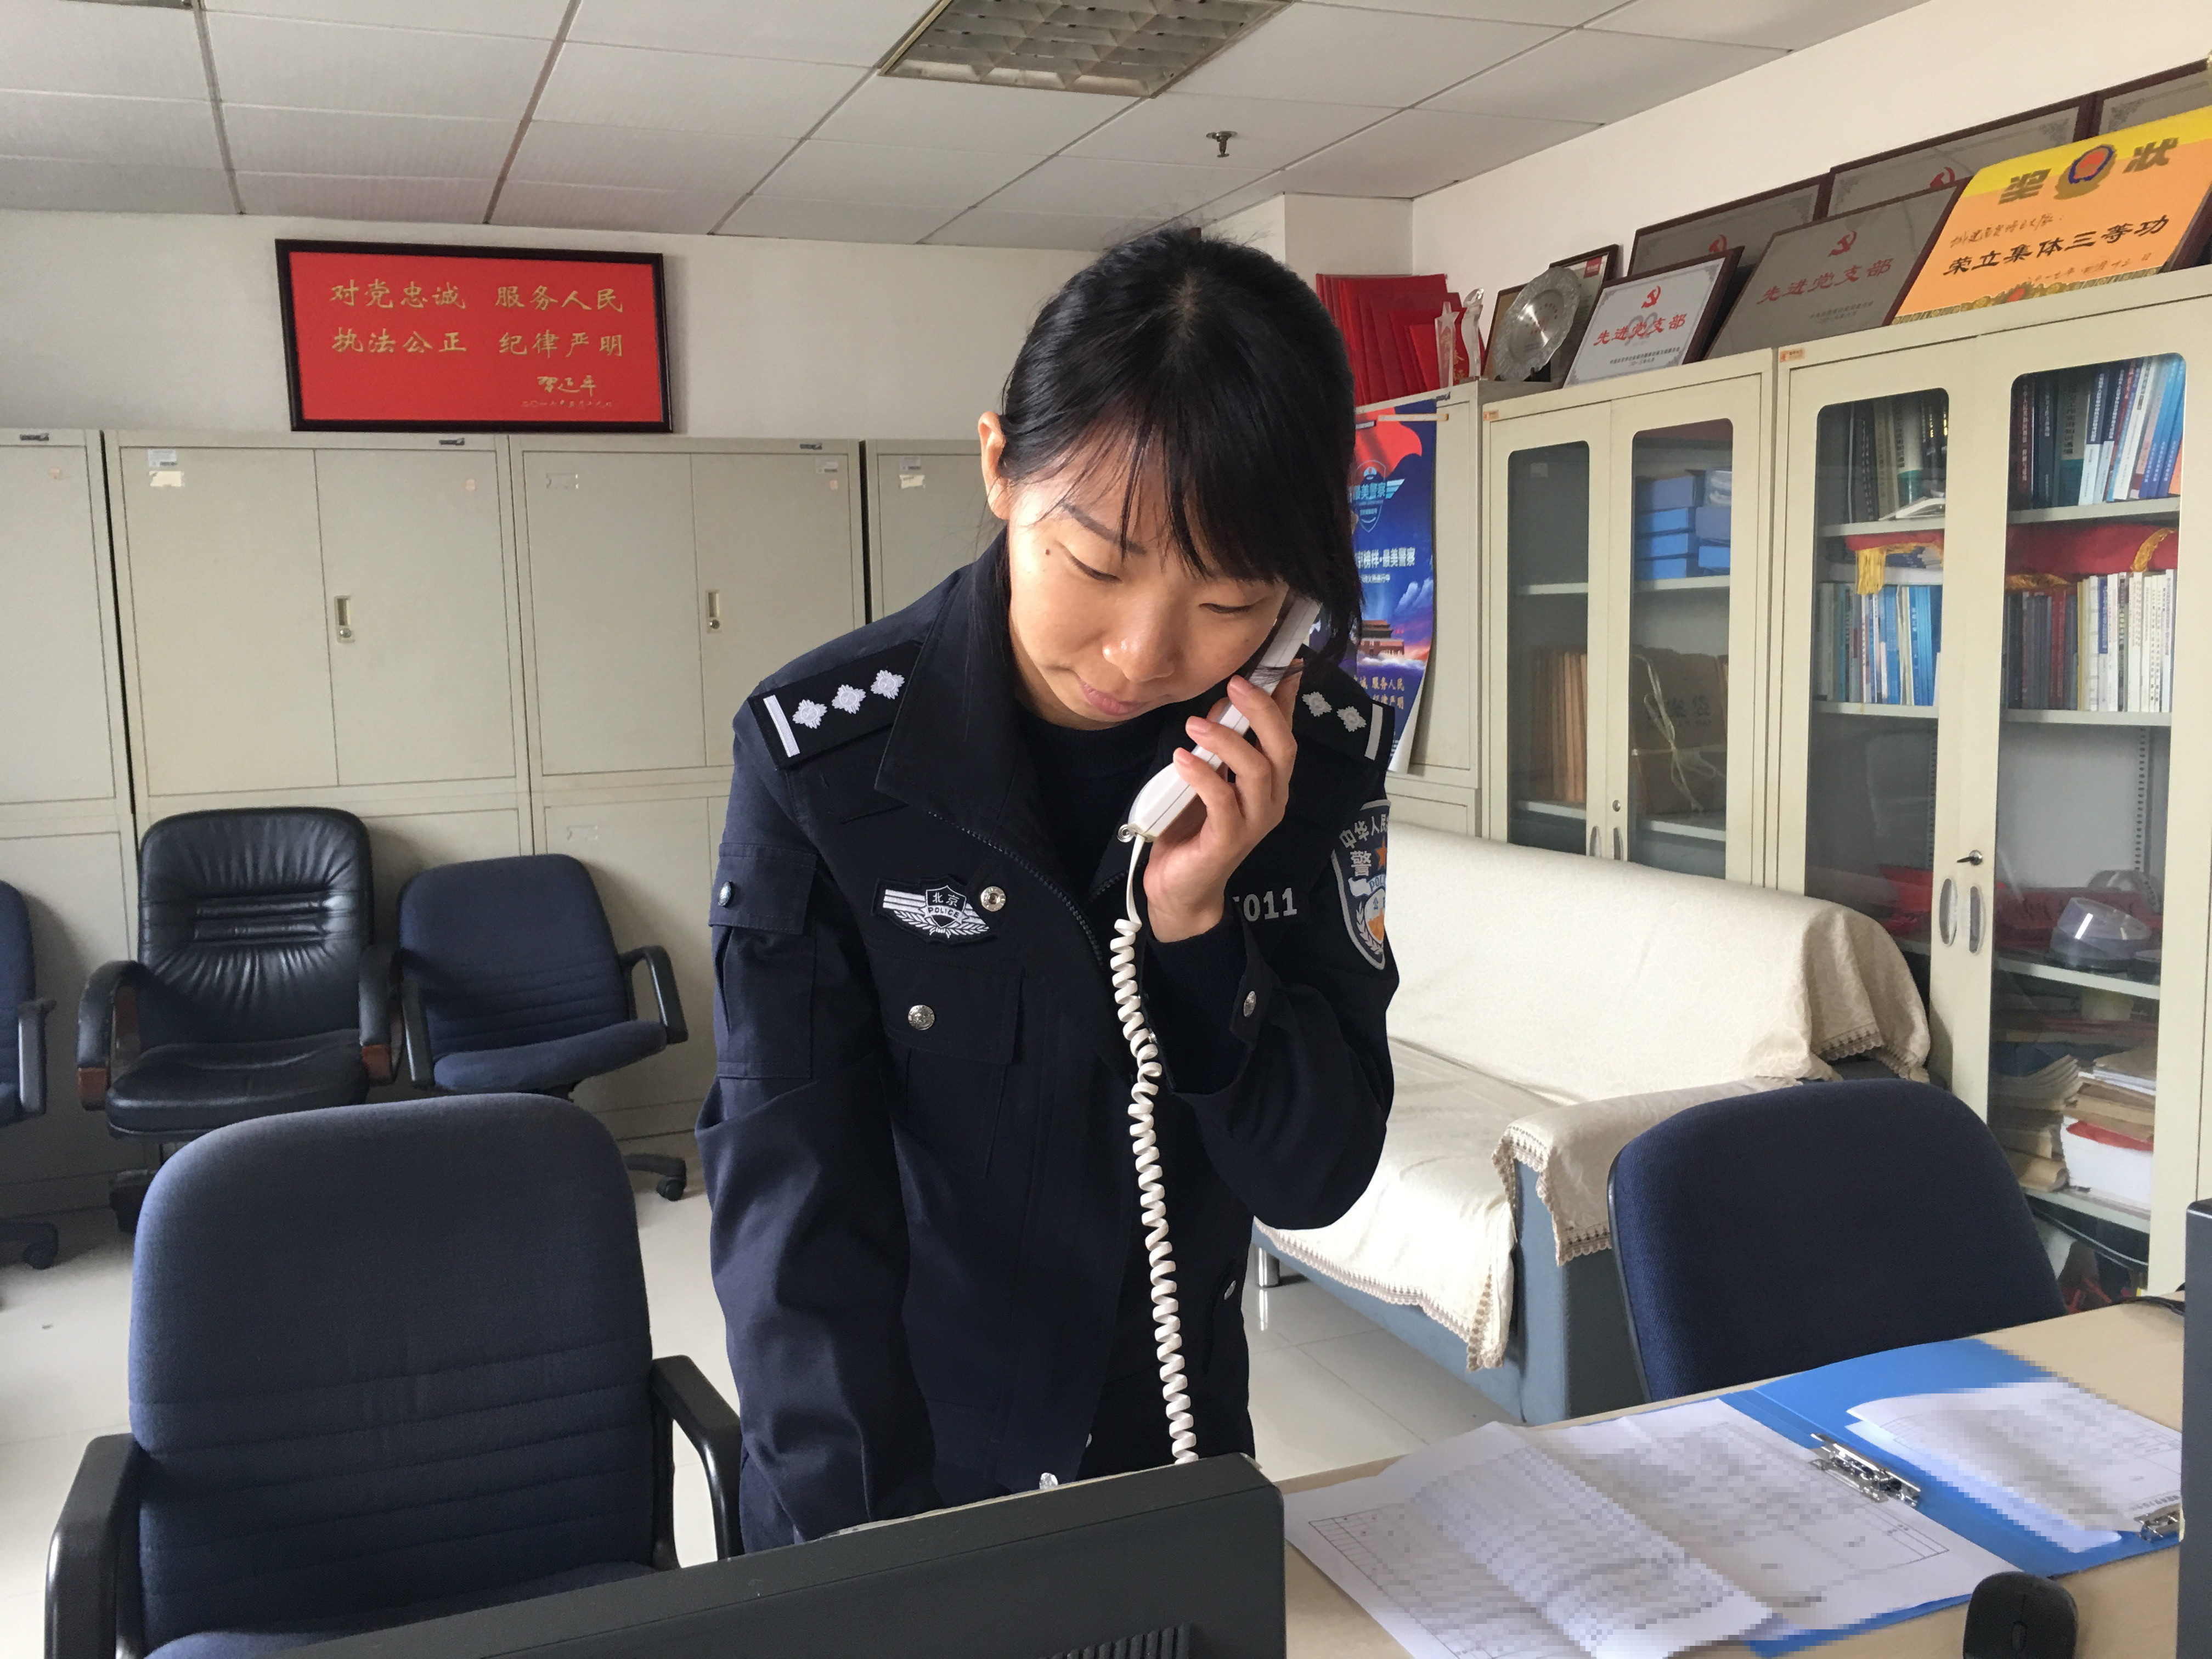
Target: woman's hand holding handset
{"type": "Point", "coordinates": [1186, 876]}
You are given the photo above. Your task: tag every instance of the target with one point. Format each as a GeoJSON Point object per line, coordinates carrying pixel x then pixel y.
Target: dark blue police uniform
{"type": "Point", "coordinates": [917, 1145]}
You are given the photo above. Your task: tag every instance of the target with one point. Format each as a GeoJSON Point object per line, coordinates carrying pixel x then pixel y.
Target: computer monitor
{"type": "Point", "coordinates": [2193, 1624]}
{"type": "Point", "coordinates": [1178, 1563]}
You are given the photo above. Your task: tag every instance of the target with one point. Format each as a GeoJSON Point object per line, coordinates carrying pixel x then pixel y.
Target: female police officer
{"type": "Point", "coordinates": [926, 1235]}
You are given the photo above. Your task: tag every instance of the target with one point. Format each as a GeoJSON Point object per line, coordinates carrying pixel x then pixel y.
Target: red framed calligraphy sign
{"type": "Point", "coordinates": [391, 336]}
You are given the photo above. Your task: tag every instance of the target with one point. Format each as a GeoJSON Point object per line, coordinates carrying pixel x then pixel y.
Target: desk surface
{"type": "Point", "coordinates": [2131, 1354]}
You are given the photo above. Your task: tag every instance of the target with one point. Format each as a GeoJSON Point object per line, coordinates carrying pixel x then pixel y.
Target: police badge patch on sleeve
{"type": "Point", "coordinates": [1361, 851]}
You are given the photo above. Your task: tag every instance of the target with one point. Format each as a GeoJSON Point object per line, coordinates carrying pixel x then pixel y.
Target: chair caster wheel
{"type": "Point", "coordinates": [672, 1189]}
{"type": "Point", "coordinates": [41, 1255]}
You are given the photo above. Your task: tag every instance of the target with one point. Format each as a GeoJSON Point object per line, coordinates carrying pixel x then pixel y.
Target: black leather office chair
{"type": "Point", "coordinates": [386, 1364]}
{"type": "Point", "coordinates": [256, 990]}
{"type": "Point", "coordinates": [509, 982]}
{"type": "Point", "coordinates": [22, 1055]}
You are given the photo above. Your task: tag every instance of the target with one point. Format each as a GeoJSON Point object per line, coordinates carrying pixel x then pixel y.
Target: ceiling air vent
{"type": "Point", "coordinates": [1131, 49]}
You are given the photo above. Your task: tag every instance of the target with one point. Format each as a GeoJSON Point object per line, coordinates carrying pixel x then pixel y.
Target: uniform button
{"type": "Point", "coordinates": [1047, 1481]}
{"type": "Point", "coordinates": [1251, 1002]}
{"type": "Point", "coordinates": [993, 898]}
{"type": "Point", "coordinates": [727, 891]}
{"type": "Point", "coordinates": [921, 1016]}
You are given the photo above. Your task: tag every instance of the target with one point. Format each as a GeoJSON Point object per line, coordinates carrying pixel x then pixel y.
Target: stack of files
{"type": "Point", "coordinates": [1558, 728]}
{"type": "Point", "coordinates": [2112, 1127]}
{"type": "Point", "coordinates": [1878, 456]}
{"type": "Point", "coordinates": [2102, 643]}
{"type": "Point", "coordinates": [1389, 329]}
{"type": "Point", "coordinates": [1880, 647]}
{"type": "Point", "coordinates": [2026, 1117]}
{"type": "Point", "coordinates": [1649, 1535]}
{"type": "Point", "coordinates": [2110, 433]}
{"type": "Point", "coordinates": [1681, 526]}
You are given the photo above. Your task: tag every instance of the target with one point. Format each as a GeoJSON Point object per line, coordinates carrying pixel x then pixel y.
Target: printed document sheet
{"type": "Point", "coordinates": [2070, 1467]}
{"type": "Point", "coordinates": [1634, 1538]}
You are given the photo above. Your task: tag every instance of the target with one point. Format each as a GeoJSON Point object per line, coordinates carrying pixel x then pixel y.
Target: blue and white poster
{"type": "Point", "coordinates": [1394, 515]}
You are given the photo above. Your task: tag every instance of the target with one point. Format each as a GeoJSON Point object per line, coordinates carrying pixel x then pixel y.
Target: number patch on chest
{"type": "Point", "coordinates": [1273, 904]}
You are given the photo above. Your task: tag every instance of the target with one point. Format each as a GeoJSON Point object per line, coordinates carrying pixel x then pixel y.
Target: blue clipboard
{"type": "Point", "coordinates": [1821, 1400]}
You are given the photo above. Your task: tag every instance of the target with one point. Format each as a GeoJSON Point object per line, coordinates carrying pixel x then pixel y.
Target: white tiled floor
{"type": "Point", "coordinates": [1328, 1388]}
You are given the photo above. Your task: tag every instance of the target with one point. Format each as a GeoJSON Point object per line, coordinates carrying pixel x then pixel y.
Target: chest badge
{"type": "Point", "coordinates": [941, 912]}
{"type": "Point", "coordinates": [1361, 858]}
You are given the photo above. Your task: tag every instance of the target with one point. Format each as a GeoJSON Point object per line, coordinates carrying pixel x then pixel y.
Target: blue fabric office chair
{"type": "Point", "coordinates": [1770, 1233]}
{"type": "Point", "coordinates": [257, 989]}
{"type": "Point", "coordinates": [509, 982]}
{"type": "Point", "coordinates": [375, 1377]}
{"type": "Point", "coordinates": [22, 1055]}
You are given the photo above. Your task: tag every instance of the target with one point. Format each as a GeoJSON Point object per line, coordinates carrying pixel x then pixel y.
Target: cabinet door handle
{"type": "Point", "coordinates": [341, 615]}
{"type": "Point", "coordinates": [1973, 920]}
{"type": "Point", "coordinates": [714, 611]}
{"type": "Point", "coordinates": [1946, 908]}
{"type": "Point", "coordinates": [1616, 844]}
{"type": "Point", "coordinates": [1593, 841]}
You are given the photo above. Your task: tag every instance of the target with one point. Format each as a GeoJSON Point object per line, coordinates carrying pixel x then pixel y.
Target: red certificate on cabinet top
{"type": "Point", "coordinates": [394, 337]}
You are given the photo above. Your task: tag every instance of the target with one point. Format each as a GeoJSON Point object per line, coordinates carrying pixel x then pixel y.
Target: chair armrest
{"type": "Point", "coordinates": [414, 1027]}
{"type": "Point", "coordinates": [106, 1028]}
{"type": "Point", "coordinates": [376, 1035]}
{"type": "Point", "coordinates": [664, 987]}
{"type": "Point", "coordinates": [682, 1393]}
{"type": "Point", "coordinates": [31, 1054]}
{"type": "Point", "coordinates": [93, 1607]}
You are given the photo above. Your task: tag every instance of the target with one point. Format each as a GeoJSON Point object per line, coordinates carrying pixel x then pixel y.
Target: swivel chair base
{"type": "Point", "coordinates": [670, 1169]}
{"type": "Point", "coordinates": [40, 1242]}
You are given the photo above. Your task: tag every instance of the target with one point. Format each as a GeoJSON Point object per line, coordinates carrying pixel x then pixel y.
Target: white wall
{"type": "Point", "coordinates": [1917, 74]}
{"type": "Point", "coordinates": [1343, 235]}
{"type": "Point", "coordinates": [140, 320]}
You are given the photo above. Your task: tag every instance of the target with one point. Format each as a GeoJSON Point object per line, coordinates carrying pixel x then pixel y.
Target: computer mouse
{"type": "Point", "coordinates": [2017, 1615]}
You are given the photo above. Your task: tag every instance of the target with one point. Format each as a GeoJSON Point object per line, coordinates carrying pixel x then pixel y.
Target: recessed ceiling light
{"type": "Point", "coordinates": [1131, 48]}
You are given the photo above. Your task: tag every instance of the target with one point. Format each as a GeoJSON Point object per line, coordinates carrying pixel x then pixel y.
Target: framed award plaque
{"type": "Point", "coordinates": [1836, 276]}
{"type": "Point", "coordinates": [2094, 211]}
{"type": "Point", "coordinates": [1934, 163]}
{"type": "Point", "coordinates": [2175, 92]}
{"type": "Point", "coordinates": [1745, 224]}
{"type": "Point", "coordinates": [1657, 321]}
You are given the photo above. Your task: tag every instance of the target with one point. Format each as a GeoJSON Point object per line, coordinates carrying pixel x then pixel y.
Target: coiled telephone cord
{"type": "Point", "coordinates": [1151, 1192]}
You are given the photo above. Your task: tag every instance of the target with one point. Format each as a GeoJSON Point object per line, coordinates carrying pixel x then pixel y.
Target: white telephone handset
{"type": "Point", "coordinates": [1157, 805]}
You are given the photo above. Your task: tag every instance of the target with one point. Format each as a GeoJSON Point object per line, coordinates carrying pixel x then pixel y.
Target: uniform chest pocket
{"type": "Point", "coordinates": [953, 1029]}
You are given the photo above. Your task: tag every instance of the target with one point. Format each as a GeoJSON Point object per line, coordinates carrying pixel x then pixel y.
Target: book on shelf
{"type": "Point", "coordinates": [2102, 644]}
{"type": "Point", "coordinates": [2135, 1068]}
{"type": "Point", "coordinates": [1558, 709]}
{"type": "Point", "coordinates": [1879, 648]}
{"type": "Point", "coordinates": [2109, 432]}
{"type": "Point", "coordinates": [2041, 1141]}
{"type": "Point", "coordinates": [2037, 1174]}
{"type": "Point", "coordinates": [1885, 453]}
{"type": "Point", "coordinates": [2108, 1165]}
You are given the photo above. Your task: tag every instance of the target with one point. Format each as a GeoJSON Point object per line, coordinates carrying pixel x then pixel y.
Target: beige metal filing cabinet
{"type": "Point", "coordinates": [1969, 824]}
{"type": "Point", "coordinates": [66, 836]}
{"type": "Point", "coordinates": [1621, 702]}
{"type": "Point", "coordinates": [927, 515]}
{"type": "Point", "coordinates": [662, 578]}
{"type": "Point", "coordinates": [324, 619]}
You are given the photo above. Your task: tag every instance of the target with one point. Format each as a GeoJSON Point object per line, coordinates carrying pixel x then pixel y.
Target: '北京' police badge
{"type": "Point", "coordinates": [941, 912]}
{"type": "Point", "coordinates": [1361, 851]}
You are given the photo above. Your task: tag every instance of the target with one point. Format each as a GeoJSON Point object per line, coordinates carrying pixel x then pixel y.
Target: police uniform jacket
{"type": "Point", "coordinates": [917, 1144]}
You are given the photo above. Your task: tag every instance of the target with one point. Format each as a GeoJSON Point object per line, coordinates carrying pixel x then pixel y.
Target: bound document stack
{"type": "Point", "coordinates": [2110, 1126]}
{"type": "Point", "coordinates": [2026, 1115]}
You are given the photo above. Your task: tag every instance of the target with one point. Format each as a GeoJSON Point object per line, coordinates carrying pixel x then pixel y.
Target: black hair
{"type": "Point", "coordinates": [1213, 371]}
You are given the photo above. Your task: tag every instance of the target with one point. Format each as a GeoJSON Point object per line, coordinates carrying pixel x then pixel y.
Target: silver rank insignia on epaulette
{"type": "Point", "coordinates": [812, 716]}
{"type": "Point", "coordinates": [1350, 723]}
{"type": "Point", "coordinates": [941, 912]}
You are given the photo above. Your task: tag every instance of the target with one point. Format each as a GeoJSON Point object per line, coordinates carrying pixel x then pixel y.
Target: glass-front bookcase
{"type": "Point", "coordinates": [1626, 554]}
{"type": "Point", "coordinates": [1993, 737]}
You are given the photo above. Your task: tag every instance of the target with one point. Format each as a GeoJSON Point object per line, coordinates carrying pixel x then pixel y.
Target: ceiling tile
{"type": "Point", "coordinates": [1588, 76]}
{"type": "Point", "coordinates": [1788, 23]}
{"type": "Point", "coordinates": [99, 186]}
{"type": "Point", "coordinates": [637, 158]}
{"type": "Point", "coordinates": [132, 52]}
{"type": "Point", "coordinates": [625, 86]}
{"type": "Point", "coordinates": [172, 132]}
{"type": "Point", "coordinates": [834, 221]}
{"type": "Point", "coordinates": [1326, 55]}
{"type": "Point", "coordinates": [1086, 185]}
{"type": "Point", "coordinates": [1269, 132]}
{"type": "Point", "coordinates": [949, 116]}
{"type": "Point", "coordinates": [992, 227]}
{"type": "Point", "coordinates": [332, 196]}
{"type": "Point", "coordinates": [1424, 149]}
{"type": "Point", "coordinates": [290, 64]}
{"type": "Point", "coordinates": [539, 20]}
{"type": "Point", "coordinates": [598, 207]}
{"type": "Point", "coordinates": [1561, 13]}
{"type": "Point", "coordinates": [347, 143]}
{"type": "Point", "coordinates": [901, 175]}
{"type": "Point", "coordinates": [853, 32]}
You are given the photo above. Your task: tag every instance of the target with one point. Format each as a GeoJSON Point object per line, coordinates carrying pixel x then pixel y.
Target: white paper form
{"type": "Point", "coordinates": [1750, 1504]}
{"type": "Point", "coordinates": [1483, 1548]}
{"type": "Point", "coordinates": [2084, 1463]}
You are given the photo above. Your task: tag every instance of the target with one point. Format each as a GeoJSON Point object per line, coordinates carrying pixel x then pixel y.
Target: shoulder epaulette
{"type": "Point", "coordinates": [1334, 711]}
{"type": "Point", "coordinates": [814, 715]}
